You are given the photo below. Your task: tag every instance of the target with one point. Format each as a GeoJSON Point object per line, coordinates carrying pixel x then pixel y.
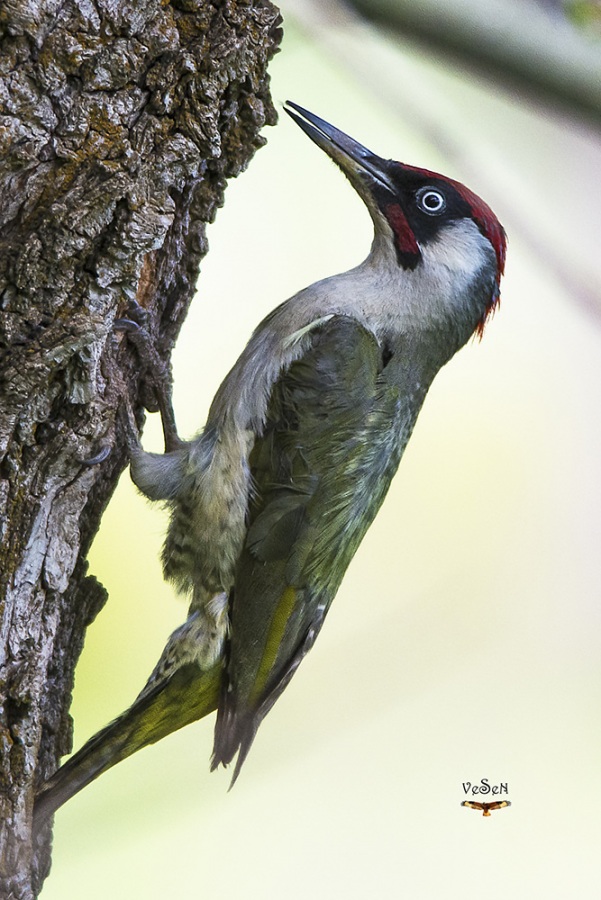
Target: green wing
{"type": "Point", "coordinates": [334, 435]}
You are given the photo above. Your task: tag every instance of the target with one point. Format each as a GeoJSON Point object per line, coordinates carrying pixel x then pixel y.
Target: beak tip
{"type": "Point", "coordinates": [296, 112]}
{"type": "Point", "coordinates": [348, 153]}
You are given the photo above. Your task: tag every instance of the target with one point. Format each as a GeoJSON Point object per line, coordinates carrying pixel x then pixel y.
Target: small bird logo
{"type": "Point", "coordinates": [486, 807]}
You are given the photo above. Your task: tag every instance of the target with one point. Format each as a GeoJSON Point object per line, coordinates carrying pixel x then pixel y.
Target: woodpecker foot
{"type": "Point", "coordinates": [130, 427]}
{"type": "Point", "coordinates": [134, 325]}
{"type": "Point", "coordinates": [135, 319]}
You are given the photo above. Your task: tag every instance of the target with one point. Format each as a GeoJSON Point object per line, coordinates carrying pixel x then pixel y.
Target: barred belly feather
{"type": "Point", "coordinates": [208, 519]}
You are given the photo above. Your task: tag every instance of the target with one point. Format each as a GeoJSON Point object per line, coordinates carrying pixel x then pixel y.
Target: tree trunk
{"type": "Point", "coordinates": [120, 123]}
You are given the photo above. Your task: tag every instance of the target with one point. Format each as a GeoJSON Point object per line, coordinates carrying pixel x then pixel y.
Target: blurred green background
{"type": "Point", "coordinates": [465, 641]}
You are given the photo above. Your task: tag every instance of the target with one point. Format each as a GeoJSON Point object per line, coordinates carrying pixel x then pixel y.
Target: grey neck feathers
{"type": "Point", "coordinates": [426, 314]}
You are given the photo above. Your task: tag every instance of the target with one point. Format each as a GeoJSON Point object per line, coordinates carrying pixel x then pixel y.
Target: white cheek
{"type": "Point", "coordinates": [460, 249]}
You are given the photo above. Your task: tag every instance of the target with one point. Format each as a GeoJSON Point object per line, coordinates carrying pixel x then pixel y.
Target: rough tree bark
{"type": "Point", "coordinates": [120, 121]}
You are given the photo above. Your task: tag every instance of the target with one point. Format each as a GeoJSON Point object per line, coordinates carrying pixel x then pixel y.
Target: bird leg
{"type": "Point", "coordinates": [134, 326]}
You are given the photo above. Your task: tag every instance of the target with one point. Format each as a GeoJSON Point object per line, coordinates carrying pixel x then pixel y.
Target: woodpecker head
{"type": "Point", "coordinates": [433, 223]}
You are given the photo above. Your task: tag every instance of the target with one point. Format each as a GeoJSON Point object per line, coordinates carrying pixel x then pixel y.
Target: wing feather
{"type": "Point", "coordinates": [331, 444]}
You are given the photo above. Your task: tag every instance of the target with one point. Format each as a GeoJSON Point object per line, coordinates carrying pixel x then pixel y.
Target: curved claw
{"type": "Point", "coordinates": [134, 320]}
{"type": "Point", "coordinates": [127, 325]}
{"type": "Point", "coordinates": [100, 457]}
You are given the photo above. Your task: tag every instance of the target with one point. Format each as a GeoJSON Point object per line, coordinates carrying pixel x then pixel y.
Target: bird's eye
{"type": "Point", "coordinates": [431, 201]}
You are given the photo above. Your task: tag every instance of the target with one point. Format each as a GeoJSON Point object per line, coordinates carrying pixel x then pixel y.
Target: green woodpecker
{"type": "Point", "coordinates": [270, 502]}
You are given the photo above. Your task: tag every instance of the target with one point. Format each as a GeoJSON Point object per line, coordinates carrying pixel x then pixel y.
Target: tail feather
{"type": "Point", "coordinates": [234, 734]}
{"type": "Point", "coordinates": [183, 698]}
{"type": "Point", "coordinates": [238, 722]}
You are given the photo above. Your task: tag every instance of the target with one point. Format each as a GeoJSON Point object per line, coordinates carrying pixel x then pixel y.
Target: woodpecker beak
{"type": "Point", "coordinates": [360, 165]}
